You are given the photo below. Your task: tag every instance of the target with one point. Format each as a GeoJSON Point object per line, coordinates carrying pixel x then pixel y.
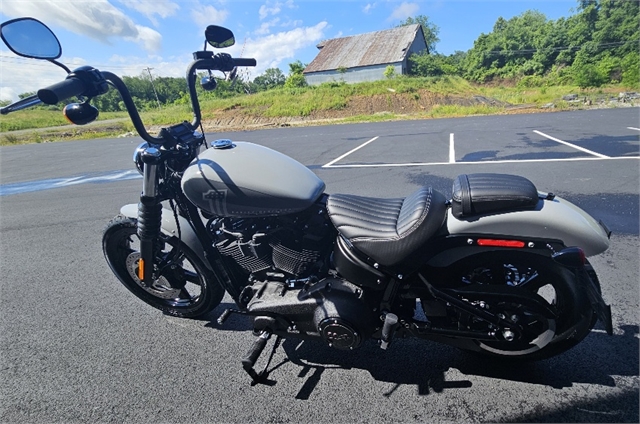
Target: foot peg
{"type": "Point", "coordinates": [388, 328]}
{"type": "Point", "coordinates": [250, 359]}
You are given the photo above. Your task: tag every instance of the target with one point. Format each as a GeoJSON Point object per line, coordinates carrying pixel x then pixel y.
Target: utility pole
{"type": "Point", "coordinates": [152, 85]}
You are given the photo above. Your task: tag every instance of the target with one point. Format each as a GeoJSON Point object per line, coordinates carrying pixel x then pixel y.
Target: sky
{"type": "Point", "coordinates": [128, 36]}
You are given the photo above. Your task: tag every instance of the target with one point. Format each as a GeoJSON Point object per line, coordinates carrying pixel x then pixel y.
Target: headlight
{"type": "Point", "coordinates": [137, 157]}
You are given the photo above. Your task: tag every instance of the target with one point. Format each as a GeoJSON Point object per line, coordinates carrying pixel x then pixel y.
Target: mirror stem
{"type": "Point", "coordinates": [55, 62]}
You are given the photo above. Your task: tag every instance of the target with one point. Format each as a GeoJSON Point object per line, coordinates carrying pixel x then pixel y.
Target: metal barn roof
{"type": "Point", "coordinates": [373, 48]}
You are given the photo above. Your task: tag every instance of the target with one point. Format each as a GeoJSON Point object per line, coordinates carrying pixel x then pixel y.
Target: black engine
{"type": "Point", "coordinates": [295, 246]}
{"type": "Point", "coordinates": [332, 309]}
{"type": "Point", "coordinates": [291, 292]}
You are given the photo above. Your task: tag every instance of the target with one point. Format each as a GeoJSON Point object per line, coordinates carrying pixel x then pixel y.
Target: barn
{"type": "Point", "coordinates": [365, 57]}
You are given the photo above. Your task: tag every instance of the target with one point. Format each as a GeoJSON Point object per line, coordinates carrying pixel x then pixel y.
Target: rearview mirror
{"type": "Point", "coordinates": [29, 37]}
{"type": "Point", "coordinates": [219, 37]}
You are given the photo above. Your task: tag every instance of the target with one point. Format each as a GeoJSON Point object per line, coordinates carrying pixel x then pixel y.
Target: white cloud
{"type": "Point", "coordinates": [134, 65]}
{"type": "Point", "coordinates": [271, 50]}
{"type": "Point", "coordinates": [8, 93]}
{"type": "Point", "coordinates": [205, 15]}
{"type": "Point", "coordinates": [292, 23]}
{"type": "Point", "coordinates": [150, 39]}
{"type": "Point", "coordinates": [265, 27]}
{"type": "Point", "coordinates": [151, 8]}
{"type": "Point", "coordinates": [97, 19]}
{"type": "Point", "coordinates": [368, 7]}
{"type": "Point", "coordinates": [273, 8]}
{"type": "Point", "coordinates": [404, 11]}
{"type": "Point", "coordinates": [20, 75]}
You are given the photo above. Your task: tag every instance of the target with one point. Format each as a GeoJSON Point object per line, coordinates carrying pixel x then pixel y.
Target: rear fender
{"type": "Point", "coordinates": [556, 219]}
{"type": "Point", "coordinates": [170, 228]}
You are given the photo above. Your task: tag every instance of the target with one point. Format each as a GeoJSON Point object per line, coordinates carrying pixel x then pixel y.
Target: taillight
{"type": "Point", "coordinates": [500, 243]}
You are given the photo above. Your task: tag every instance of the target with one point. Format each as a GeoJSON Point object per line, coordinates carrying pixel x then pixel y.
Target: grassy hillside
{"type": "Point", "coordinates": [397, 98]}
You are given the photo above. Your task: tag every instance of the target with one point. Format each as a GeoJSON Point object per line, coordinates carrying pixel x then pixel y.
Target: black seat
{"type": "Point", "coordinates": [388, 230]}
{"type": "Point", "coordinates": [476, 194]}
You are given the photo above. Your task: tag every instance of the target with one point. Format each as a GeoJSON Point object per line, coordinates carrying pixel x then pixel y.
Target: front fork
{"type": "Point", "coordinates": [149, 215]}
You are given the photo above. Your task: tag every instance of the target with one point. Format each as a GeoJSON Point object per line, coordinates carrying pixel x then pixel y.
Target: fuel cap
{"type": "Point", "coordinates": [223, 144]}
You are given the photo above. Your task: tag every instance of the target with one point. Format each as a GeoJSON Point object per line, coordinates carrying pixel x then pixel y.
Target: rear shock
{"type": "Point", "coordinates": [149, 215]}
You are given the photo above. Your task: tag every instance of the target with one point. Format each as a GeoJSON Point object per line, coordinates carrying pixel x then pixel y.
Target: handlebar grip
{"type": "Point", "coordinates": [244, 62]}
{"type": "Point", "coordinates": [62, 90]}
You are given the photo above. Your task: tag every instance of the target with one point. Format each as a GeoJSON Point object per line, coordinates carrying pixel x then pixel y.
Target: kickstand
{"type": "Point", "coordinates": [254, 353]}
{"type": "Point", "coordinates": [265, 373]}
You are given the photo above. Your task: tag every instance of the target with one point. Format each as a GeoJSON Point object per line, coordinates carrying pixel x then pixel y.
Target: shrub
{"type": "Point", "coordinates": [295, 81]}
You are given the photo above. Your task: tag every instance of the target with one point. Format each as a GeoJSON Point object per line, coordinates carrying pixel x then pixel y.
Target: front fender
{"type": "Point", "coordinates": [170, 228]}
{"type": "Point", "coordinates": [556, 219]}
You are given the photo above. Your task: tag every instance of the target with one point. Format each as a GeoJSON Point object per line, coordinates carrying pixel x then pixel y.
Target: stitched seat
{"type": "Point", "coordinates": [388, 230]}
{"type": "Point", "coordinates": [476, 194]}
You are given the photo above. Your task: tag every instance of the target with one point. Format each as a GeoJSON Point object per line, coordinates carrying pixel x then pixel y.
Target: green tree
{"type": "Point", "coordinates": [295, 81]}
{"type": "Point", "coordinates": [433, 65]}
{"type": "Point", "coordinates": [295, 78]}
{"type": "Point", "coordinates": [429, 29]}
{"type": "Point", "coordinates": [272, 78]}
{"type": "Point", "coordinates": [296, 67]}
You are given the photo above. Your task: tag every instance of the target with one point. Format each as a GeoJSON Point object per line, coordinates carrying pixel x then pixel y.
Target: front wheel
{"type": "Point", "coordinates": [545, 281]}
{"type": "Point", "coordinates": [182, 286]}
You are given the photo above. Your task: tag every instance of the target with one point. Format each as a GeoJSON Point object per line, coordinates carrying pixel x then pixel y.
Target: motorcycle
{"type": "Point", "coordinates": [499, 269]}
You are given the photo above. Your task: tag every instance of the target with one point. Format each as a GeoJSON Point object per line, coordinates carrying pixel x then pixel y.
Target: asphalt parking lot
{"type": "Point", "coordinates": [77, 346]}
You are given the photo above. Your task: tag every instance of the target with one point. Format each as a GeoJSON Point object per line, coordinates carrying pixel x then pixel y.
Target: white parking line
{"type": "Point", "coordinates": [452, 150]}
{"type": "Point", "coordinates": [571, 145]}
{"type": "Point", "coordinates": [487, 162]}
{"type": "Point", "coordinates": [632, 128]}
{"type": "Point", "coordinates": [349, 152]}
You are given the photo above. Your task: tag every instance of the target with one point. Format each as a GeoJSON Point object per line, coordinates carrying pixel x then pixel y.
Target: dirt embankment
{"type": "Point", "coordinates": [417, 105]}
{"type": "Point", "coordinates": [420, 104]}
{"type": "Point", "coordinates": [397, 104]}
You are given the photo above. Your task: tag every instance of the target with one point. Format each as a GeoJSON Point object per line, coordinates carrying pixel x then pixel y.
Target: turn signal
{"type": "Point", "coordinates": [80, 113]}
{"type": "Point", "coordinates": [573, 257]}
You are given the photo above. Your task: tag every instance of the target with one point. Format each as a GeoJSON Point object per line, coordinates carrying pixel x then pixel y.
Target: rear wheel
{"type": "Point", "coordinates": [182, 285]}
{"type": "Point", "coordinates": [562, 318]}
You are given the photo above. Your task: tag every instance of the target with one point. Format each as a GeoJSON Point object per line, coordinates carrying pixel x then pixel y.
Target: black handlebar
{"type": "Point", "coordinates": [90, 82]}
{"type": "Point", "coordinates": [62, 90]}
{"type": "Point", "coordinates": [244, 62]}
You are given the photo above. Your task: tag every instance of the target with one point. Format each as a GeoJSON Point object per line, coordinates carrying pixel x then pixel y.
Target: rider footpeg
{"type": "Point", "coordinates": [388, 328]}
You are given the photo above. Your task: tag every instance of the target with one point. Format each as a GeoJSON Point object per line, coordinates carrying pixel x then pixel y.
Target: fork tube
{"type": "Point", "coordinates": [149, 215]}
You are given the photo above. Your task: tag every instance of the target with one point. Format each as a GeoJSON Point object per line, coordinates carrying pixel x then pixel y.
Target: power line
{"type": "Point", "coordinates": [556, 49]}
{"type": "Point", "coordinates": [153, 85]}
{"type": "Point", "coordinates": [40, 63]}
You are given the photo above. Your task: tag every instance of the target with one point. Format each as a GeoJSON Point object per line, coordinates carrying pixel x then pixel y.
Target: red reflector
{"type": "Point", "coordinates": [500, 243]}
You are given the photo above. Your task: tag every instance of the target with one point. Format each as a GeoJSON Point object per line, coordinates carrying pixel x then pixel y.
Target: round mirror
{"type": "Point", "coordinates": [29, 37]}
{"type": "Point", "coordinates": [219, 37]}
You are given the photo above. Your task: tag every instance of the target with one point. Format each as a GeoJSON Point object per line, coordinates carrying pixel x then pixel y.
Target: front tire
{"type": "Point", "coordinates": [183, 286]}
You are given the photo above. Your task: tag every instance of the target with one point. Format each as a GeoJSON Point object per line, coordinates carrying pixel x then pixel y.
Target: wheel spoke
{"type": "Point", "coordinates": [175, 255]}
{"type": "Point", "coordinates": [184, 294]}
{"type": "Point", "coordinates": [191, 277]}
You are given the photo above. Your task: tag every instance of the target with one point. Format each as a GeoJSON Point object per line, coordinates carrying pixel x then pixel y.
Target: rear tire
{"type": "Point", "coordinates": [546, 281]}
{"type": "Point", "coordinates": [184, 287]}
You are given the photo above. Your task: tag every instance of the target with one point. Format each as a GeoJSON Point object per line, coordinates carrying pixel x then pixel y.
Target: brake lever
{"type": "Point", "coordinates": [32, 100]}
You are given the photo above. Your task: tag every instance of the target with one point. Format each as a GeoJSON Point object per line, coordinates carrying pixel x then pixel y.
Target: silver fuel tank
{"type": "Point", "coordinates": [243, 179]}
